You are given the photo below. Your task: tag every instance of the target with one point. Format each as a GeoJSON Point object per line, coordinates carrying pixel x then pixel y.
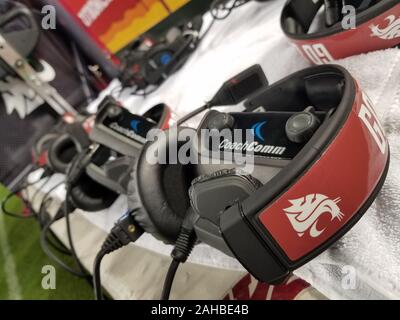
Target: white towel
{"type": "Point", "coordinates": [372, 248]}
{"type": "Point", "coordinates": [251, 35]}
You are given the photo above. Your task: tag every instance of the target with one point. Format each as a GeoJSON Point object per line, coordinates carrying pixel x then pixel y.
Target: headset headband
{"type": "Point", "coordinates": [325, 189]}
{"type": "Point", "coordinates": [377, 27]}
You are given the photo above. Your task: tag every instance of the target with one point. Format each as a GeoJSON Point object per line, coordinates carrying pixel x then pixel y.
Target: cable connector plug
{"type": "Point", "coordinates": [183, 247]}
{"type": "Point", "coordinates": [186, 239]}
{"type": "Point", "coordinates": [79, 164]}
{"type": "Point", "coordinates": [125, 230]}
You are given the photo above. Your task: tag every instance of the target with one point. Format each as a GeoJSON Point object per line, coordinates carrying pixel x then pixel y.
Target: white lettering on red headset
{"type": "Point", "coordinates": [368, 116]}
{"type": "Point", "coordinates": [317, 53]}
{"type": "Point", "coordinates": [390, 32]}
{"type": "Point", "coordinates": [305, 212]}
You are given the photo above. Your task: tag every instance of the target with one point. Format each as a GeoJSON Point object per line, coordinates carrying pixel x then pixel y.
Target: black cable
{"type": "Point", "coordinates": [82, 74]}
{"type": "Point", "coordinates": [124, 231]}
{"type": "Point", "coordinates": [38, 214]}
{"type": "Point", "coordinates": [26, 203]}
{"type": "Point", "coordinates": [222, 6]}
{"type": "Point", "coordinates": [74, 255]}
{"type": "Point", "coordinates": [97, 275]}
{"type": "Point", "coordinates": [144, 93]}
{"type": "Point", "coordinates": [12, 214]}
{"type": "Point", "coordinates": [44, 200]}
{"type": "Point", "coordinates": [37, 192]}
{"type": "Point", "coordinates": [183, 247]}
{"type": "Point", "coordinates": [135, 92]}
{"type": "Point", "coordinates": [169, 279]}
{"type": "Point", "coordinates": [206, 32]}
{"type": "Point", "coordinates": [57, 245]}
{"type": "Point", "coordinates": [51, 255]}
{"type": "Point", "coordinates": [51, 238]}
{"type": "Point", "coordinates": [75, 170]}
{"type": "Point", "coordinates": [193, 114]}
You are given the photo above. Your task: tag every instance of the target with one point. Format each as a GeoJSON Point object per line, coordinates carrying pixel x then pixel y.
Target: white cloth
{"type": "Point", "coordinates": [364, 264]}
{"type": "Point", "coordinates": [252, 35]}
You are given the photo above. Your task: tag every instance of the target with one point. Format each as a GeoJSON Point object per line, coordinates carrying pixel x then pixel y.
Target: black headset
{"type": "Point", "coordinates": [158, 193]}
{"type": "Point", "coordinates": [86, 194]}
{"type": "Point", "coordinates": [150, 62]}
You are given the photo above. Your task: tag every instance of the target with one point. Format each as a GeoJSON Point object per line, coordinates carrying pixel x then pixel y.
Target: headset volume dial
{"type": "Point", "coordinates": [219, 121]}
{"type": "Point", "coordinates": [301, 126]}
{"type": "Point", "coordinates": [114, 112]}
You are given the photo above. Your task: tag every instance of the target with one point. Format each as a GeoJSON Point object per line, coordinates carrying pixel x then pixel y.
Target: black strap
{"type": "Point", "coordinates": [299, 14]}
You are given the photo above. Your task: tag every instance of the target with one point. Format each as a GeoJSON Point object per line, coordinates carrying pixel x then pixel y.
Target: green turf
{"type": "Point", "coordinates": [23, 239]}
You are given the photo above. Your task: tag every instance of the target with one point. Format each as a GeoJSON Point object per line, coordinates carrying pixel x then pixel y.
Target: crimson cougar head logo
{"type": "Point", "coordinates": [306, 211]}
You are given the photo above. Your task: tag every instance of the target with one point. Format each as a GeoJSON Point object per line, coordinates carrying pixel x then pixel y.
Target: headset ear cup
{"type": "Point", "coordinates": [61, 153]}
{"type": "Point", "coordinates": [135, 204]}
{"type": "Point", "coordinates": [90, 196]}
{"type": "Point", "coordinates": [159, 192]}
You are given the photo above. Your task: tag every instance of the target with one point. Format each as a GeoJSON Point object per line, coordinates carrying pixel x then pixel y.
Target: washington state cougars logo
{"type": "Point", "coordinates": [392, 31]}
{"type": "Point", "coordinates": [306, 211]}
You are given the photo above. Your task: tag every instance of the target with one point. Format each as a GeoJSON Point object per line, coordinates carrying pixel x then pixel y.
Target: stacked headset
{"type": "Point", "coordinates": [376, 27]}
{"type": "Point", "coordinates": [325, 109]}
{"type": "Point", "coordinates": [148, 62]}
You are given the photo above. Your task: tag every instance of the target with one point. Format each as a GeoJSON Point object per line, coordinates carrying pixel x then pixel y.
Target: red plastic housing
{"type": "Point", "coordinates": [324, 199]}
{"type": "Point", "coordinates": [379, 33]}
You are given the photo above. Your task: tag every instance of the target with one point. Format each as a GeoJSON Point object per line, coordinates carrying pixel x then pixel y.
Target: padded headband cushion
{"type": "Point", "coordinates": [159, 192]}
{"type": "Point", "coordinates": [298, 15]}
{"type": "Point", "coordinates": [90, 196]}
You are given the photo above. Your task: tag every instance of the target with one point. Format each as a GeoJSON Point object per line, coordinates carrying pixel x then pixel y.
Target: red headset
{"type": "Point", "coordinates": [377, 28]}
{"type": "Point", "coordinates": [275, 227]}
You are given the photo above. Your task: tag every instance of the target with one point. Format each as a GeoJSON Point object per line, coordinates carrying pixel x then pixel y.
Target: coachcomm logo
{"type": "Point", "coordinates": [135, 125]}
{"type": "Point", "coordinates": [253, 146]}
{"type": "Point", "coordinates": [257, 130]}
{"type": "Point", "coordinates": [306, 211]}
{"type": "Point", "coordinates": [132, 134]}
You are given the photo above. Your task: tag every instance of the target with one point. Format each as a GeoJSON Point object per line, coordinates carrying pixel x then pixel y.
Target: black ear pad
{"type": "Point", "coordinates": [62, 151]}
{"type": "Point", "coordinates": [90, 196]}
{"type": "Point", "coordinates": [43, 145]}
{"type": "Point", "coordinates": [160, 114]}
{"type": "Point", "coordinates": [159, 192]}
